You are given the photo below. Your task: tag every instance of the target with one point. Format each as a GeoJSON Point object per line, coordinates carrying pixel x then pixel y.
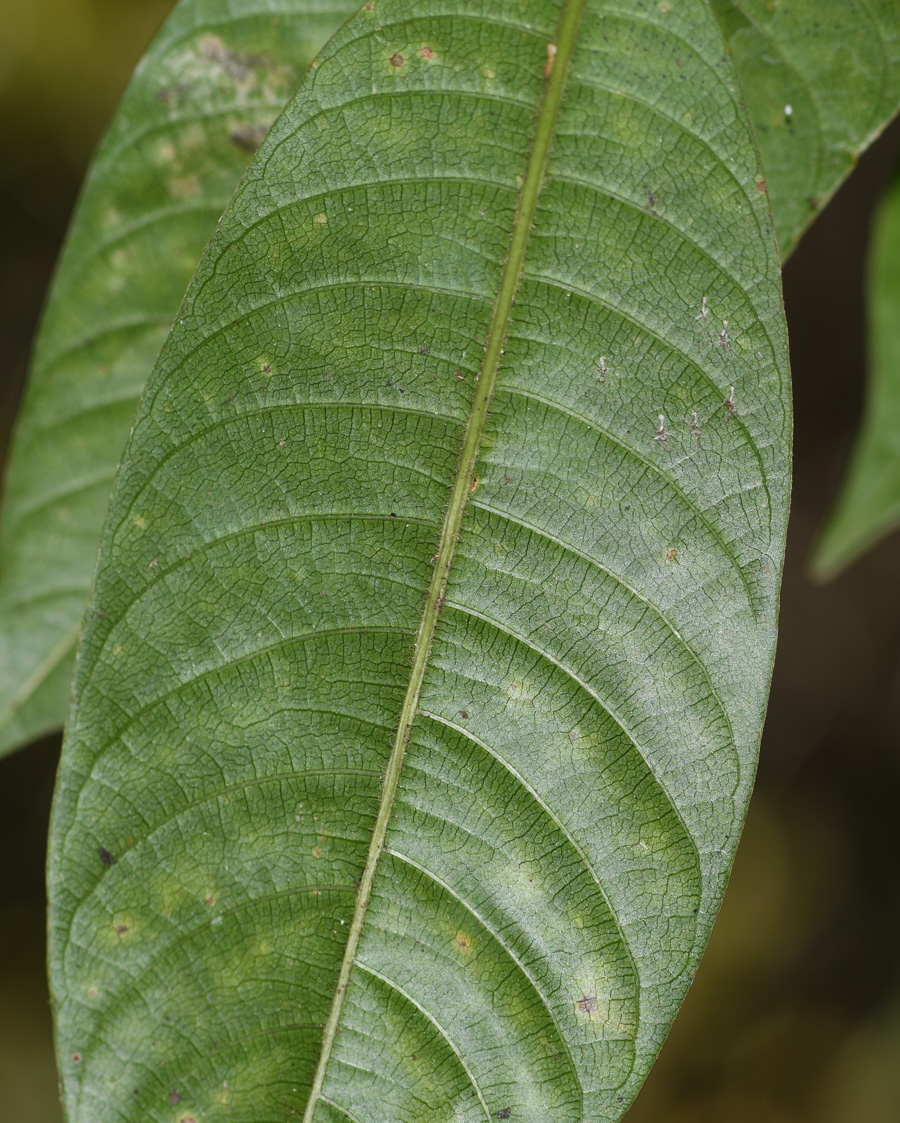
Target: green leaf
{"type": "Point", "coordinates": [423, 677]}
{"type": "Point", "coordinates": [821, 81]}
{"type": "Point", "coordinates": [868, 507]}
{"type": "Point", "coordinates": [201, 102]}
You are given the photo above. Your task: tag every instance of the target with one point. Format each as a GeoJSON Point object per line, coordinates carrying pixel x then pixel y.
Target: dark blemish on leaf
{"type": "Point", "coordinates": [729, 402]}
{"type": "Point", "coordinates": [661, 434]}
{"type": "Point", "coordinates": [174, 1098]}
{"type": "Point", "coordinates": [267, 369]}
{"type": "Point", "coordinates": [210, 901]}
{"type": "Point", "coordinates": [813, 203]}
{"type": "Point", "coordinates": [101, 613]}
{"type": "Point", "coordinates": [397, 60]}
{"type": "Point", "coordinates": [602, 369]}
{"type": "Point", "coordinates": [76, 1058]}
{"type": "Point", "coordinates": [671, 554]}
{"type": "Point", "coordinates": [423, 350]}
{"type": "Point", "coordinates": [761, 186]}
{"type": "Point", "coordinates": [393, 514]}
{"type": "Point", "coordinates": [505, 1113]}
{"type": "Point", "coordinates": [248, 138]}
{"type": "Point", "coordinates": [459, 374]}
{"type": "Point", "coordinates": [413, 1057]}
{"type": "Point", "coordinates": [121, 929]}
{"type": "Point", "coordinates": [588, 1004]}
{"type": "Point", "coordinates": [651, 202]}
{"type": "Point", "coordinates": [105, 857]}
{"type": "Point", "coordinates": [426, 53]}
{"type": "Point", "coordinates": [464, 714]}
{"type": "Point", "coordinates": [476, 483]}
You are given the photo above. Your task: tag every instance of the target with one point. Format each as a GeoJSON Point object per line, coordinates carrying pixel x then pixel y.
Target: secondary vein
{"type": "Point", "coordinates": [567, 33]}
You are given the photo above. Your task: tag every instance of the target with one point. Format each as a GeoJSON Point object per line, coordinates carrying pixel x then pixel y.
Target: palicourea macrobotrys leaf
{"type": "Point", "coordinates": [424, 671]}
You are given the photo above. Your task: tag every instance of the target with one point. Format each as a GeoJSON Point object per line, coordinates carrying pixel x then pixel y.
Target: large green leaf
{"type": "Point", "coordinates": [422, 681]}
{"type": "Point", "coordinates": [869, 504]}
{"type": "Point", "coordinates": [202, 100]}
{"type": "Point", "coordinates": [821, 79]}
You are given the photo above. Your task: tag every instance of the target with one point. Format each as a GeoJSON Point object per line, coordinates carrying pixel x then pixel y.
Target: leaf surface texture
{"type": "Point", "coordinates": [428, 255]}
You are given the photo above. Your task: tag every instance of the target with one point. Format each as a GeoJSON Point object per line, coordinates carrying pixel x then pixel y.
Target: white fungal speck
{"type": "Point", "coordinates": [788, 110]}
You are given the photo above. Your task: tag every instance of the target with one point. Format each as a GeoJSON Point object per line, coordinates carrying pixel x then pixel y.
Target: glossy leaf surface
{"type": "Point", "coordinates": [424, 672]}
{"type": "Point", "coordinates": [198, 107]}
{"type": "Point", "coordinates": [869, 504]}
{"type": "Point", "coordinates": [821, 79]}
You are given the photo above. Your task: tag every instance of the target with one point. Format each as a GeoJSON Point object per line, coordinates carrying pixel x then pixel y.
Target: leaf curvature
{"type": "Point", "coordinates": [423, 677]}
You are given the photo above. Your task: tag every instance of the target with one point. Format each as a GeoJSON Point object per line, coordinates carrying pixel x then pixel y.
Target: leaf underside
{"type": "Point", "coordinates": [198, 107]}
{"type": "Point", "coordinates": [585, 732]}
{"type": "Point", "coordinates": [868, 507]}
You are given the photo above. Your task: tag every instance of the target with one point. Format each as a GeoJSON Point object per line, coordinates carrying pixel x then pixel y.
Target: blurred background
{"type": "Point", "coordinates": [795, 1013]}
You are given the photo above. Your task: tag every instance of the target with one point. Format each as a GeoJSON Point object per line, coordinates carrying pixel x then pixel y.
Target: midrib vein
{"type": "Point", "coordinates": [567, 32]}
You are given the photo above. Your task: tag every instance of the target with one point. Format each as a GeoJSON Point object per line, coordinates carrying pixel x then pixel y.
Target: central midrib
{"type": "Point", "coordinates": [558, 63]}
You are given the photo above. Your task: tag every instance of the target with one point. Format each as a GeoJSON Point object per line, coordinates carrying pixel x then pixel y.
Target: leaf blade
{"type": "Point", "coordinates": [301, 437]}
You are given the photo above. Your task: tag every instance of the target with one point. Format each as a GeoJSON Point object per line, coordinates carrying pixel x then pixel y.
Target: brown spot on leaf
{"type": "Point", "coordinates": [317, 852]}
{"type": "Point", "coordinates": [76, 1057]}
{"type": "Point", "coordinates": [671, 554]}
{"type": "Point", "coordinates": [761, 186]}
{"type": "Point", "coordinates": [505, 1113]}
{"type": "Point", "coordinates": [121, 929]}
{"type": "Point", "coordinates": [426, 53]}
{"type": "Point", "coordinates": [588, 1004]}
{"type": "Point", "coordinates": [105, 857]}
{"type": "Point", "coordinates": [397, 60]}
{"type": "Point", "coordinates": [174, 1098]}
{"type": "Point", "coordinates": [463, 942]}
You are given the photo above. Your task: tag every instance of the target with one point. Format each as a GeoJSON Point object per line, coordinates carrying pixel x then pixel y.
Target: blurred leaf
{"type": "Point", "coordinates": [868, 507]}
{"type": "Point", "coordinates": [822, 80]}
{"type": "Point", "coordinates": [255, 903]}
{"type": "Point", "coordinates": [202, 100]}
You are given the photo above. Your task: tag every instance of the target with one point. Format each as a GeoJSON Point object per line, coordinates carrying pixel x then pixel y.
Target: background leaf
{"type": "Point", "coordinates": [197, 108]}
{"type": "Point", "coordinates": [821, 81]}
{"type": "Point", "coordinates": [869, 503]}
{"type": "Point", "coordinates": [586, 727]}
